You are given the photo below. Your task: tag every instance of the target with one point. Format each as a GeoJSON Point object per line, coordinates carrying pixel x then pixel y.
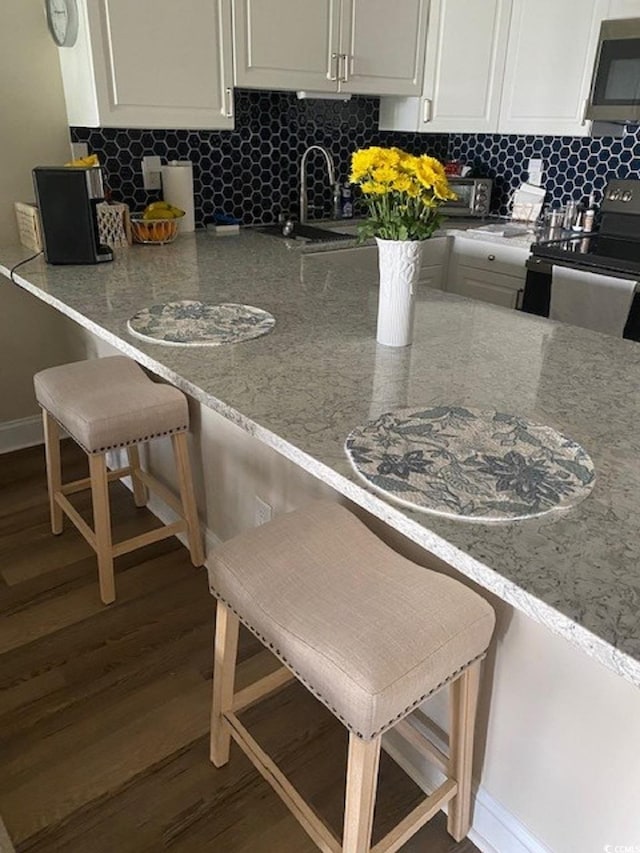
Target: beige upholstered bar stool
{"type": "Point", "coordinates": [106, 404]}
{"type": "Point", "coordinates": [371, 635]}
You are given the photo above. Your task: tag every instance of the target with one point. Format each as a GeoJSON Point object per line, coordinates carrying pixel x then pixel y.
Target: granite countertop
{"type": "Point", "coordinates": [319, 374]}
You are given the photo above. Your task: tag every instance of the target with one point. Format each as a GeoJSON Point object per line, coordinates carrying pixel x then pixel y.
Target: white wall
{"type": "Point", "coordinates": [33, 131]}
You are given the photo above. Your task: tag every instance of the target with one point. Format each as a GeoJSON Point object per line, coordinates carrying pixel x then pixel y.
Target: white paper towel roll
{"type": "Point", "coordinates": [177, 189]}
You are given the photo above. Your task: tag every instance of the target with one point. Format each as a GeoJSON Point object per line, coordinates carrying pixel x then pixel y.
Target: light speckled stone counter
{"type": "Point", "coordinates": [303, 387]}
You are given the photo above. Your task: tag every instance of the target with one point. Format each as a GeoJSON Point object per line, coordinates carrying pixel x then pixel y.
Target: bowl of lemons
{"type": "Point", "coordinates": [157, 224]}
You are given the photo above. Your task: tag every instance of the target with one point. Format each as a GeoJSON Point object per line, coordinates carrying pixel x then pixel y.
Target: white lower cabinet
{"type": "Point", "coordinates": [487, 271]}
{"type": "Point", "coordinates": [433, 270]}
{"type": "Point", "coordinates": [490, 272]}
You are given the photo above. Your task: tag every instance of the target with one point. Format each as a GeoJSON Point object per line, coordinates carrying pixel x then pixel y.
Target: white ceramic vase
{"type": "Point", "coordinates": [399, 262]}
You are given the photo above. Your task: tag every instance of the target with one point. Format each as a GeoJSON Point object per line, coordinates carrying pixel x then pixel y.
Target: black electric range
{"type": "Point", "coordinates": [613, 250]}
{"type": "Point", "coordinates": [598, 252]}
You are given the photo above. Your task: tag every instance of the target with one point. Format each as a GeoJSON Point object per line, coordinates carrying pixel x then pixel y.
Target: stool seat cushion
{"type": "Point", "coordinates": [110, 402]}
{"type": "Point", "coordinates": [370, 633]}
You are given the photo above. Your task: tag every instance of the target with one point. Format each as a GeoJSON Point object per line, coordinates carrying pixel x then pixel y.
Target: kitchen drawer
{"type": "Point", "coordinates": [490, 256]}
{"type": "Point", "coordinates": [487, 286]}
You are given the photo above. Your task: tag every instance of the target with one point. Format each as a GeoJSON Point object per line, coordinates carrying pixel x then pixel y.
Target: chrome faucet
{"type": "Point", "coordinates": [304, 202]}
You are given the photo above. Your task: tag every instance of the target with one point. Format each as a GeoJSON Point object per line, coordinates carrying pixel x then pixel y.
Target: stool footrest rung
{"type": "Point", "coordinates": [69, 510]}
{"type": "Point", "coordinates": [418, 817]}
{"type": "Point", "coordinates": [85, 483]}
{"type": "Point", "coordinates": [276, 680]}
{"type": "Point", "coordinates": [148, 538]}
{"type": "Point", "coordinates": [166, 494]}
{"type": "Point", "coordinates": [423, 745]}
{"type": "Point", "coordinates": [313, 825]}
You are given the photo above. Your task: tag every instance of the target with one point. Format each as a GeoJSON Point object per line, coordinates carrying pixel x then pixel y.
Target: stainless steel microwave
{"type": "Point", "coordinates": [615, 86]}
{"type": "Point", "coordinates": [474, 197]}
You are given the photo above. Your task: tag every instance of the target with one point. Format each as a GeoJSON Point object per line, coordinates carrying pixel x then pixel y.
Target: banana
{"type": "Point", "coordinates": [90, 160]}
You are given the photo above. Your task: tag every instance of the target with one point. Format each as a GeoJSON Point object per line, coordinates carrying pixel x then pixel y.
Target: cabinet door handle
{"type": "Point", "coordinates": [583, 120]}
{"type": "Point", "coordinates": [519, 299]}
{"type": "Point", "coordinates": [344, 78]}
{"type": "Point", "coordinates": [229, 102]}
{"type": "Point", "coordinates": [491, 257]}
{"type": "Point", "coordinates": [335, 66]}
{"type": "Point", "coordinates": [426, 110]}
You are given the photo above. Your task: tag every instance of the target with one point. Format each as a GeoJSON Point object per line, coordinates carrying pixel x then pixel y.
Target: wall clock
{"type": "Point", "coordinates": [62, 18]}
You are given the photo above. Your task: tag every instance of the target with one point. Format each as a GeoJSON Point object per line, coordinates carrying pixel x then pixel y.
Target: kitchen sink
{"type": "Point", "coordinates": [311, 233]}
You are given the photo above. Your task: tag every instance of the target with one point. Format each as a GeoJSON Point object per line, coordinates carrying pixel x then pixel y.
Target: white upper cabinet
{"type": "Point", "coordinates": [550, 56]}
{"type": "Point", "coordinates": [330, 45]}
{"type": "Point", "coordinates": [623, 9]}
{"type": "Point", "coordinates": [383, 47]}
{"type": "Point", "coordinates": [464, 66]}
{"type": "Point", "coordinates": [150, 63]}
{"type": "Point", "coordinates": [278, 42]}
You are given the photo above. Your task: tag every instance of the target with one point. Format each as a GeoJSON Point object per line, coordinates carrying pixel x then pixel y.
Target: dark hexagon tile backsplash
{"type": "Point", "coordinates": [574, 166]}
{"type": "Point", "coordinates": [252, 172]}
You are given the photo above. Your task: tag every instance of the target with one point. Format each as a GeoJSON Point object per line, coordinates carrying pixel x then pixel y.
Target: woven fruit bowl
{"type": "Point", "coordinates": [156, 231]}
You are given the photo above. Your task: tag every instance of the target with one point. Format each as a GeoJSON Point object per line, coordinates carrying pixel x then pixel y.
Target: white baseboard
{"type": "Point", "coordinates": [494, 829]}
{"type": "Point", "coordinates": [24, 432]}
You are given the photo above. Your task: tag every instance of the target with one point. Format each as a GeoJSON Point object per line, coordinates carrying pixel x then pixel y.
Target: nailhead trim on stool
{"type": "Point", "coordinates": [388, 725]}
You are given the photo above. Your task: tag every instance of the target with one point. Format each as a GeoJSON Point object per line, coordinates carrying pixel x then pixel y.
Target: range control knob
{"type": "Point", "coordinates": [627, 195]}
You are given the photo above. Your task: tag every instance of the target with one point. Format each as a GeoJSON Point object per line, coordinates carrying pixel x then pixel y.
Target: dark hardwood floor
{"type": "Point", "coordinates": [104, 711]}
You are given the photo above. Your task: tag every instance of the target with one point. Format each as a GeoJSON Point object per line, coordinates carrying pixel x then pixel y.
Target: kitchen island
{"type": "Point", "coordinates": [280, 407]}
{"type": "Point", "coordinates": [319, 374]}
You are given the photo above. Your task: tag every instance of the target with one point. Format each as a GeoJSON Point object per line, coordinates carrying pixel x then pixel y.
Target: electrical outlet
{"type": "Point", "coordinates": [262, 511]}
{"type": "Point", "coordinates": [535, 169]}
{"type": "Point", "coordinates": [151, 179]}
{"type": "Point", "coordinates": [79, 150]}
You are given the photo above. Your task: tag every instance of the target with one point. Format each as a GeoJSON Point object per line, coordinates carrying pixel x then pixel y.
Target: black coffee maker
{"type": "Point", "coordinates": [67, 197]}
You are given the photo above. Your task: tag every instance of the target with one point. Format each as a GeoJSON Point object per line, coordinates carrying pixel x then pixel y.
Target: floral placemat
{"type": "Point", "coordinates": [470, 464]}
{"type": "Point", "coordinates": [194, 324]}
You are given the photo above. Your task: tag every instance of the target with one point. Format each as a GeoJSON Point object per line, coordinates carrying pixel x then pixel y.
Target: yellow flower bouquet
{"type": "Point", "coordinates": [403, 192]}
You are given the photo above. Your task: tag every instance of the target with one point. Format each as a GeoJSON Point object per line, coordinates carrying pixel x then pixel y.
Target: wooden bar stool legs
{"type": "Point", "coordinates": [54, 470]}
{"type": "Point", "coordinates": [102, 526]}
{"type": "Point", "coordinates": [363, 755]}
{"type": "Point", "coordinates": [140, 495]}
{"type": "Point", "coordinates": [360, 799]}
{"type": "Point", "coordinates": [224, 672]}
{"type": "Point", "coordinates": [100, 537]}
{"type": "Point", "coordinates": [463, 707]}
{"type": "Point", "coordinates": [187, 495]}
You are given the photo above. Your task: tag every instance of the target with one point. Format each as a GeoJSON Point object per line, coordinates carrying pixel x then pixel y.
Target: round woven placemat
{"type": "Point", "coordinates": [470, 464]}
{"type": "Point", "coordinates": [195, 324]}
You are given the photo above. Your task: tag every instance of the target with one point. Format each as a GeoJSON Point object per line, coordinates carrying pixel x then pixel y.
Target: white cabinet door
{"type": "Point", "coordinates": [489, 271]}
{"type": "Point", "coordinates": [151, 64]}
{"type": "Point", "coordinates": [464, 67]}
{"type": "Point", "coordinates": [623, 9]}
{"type": "Point", "coordinates": [466, 50]}
{"type": "Point", "coordinates": [384, 46]}
{"type": "Point", "coordinates": [286, 44]}
{"type": "Point", "coordinates": [496, 288]}
{"type": "Point", "coordinates": [550, 58]}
